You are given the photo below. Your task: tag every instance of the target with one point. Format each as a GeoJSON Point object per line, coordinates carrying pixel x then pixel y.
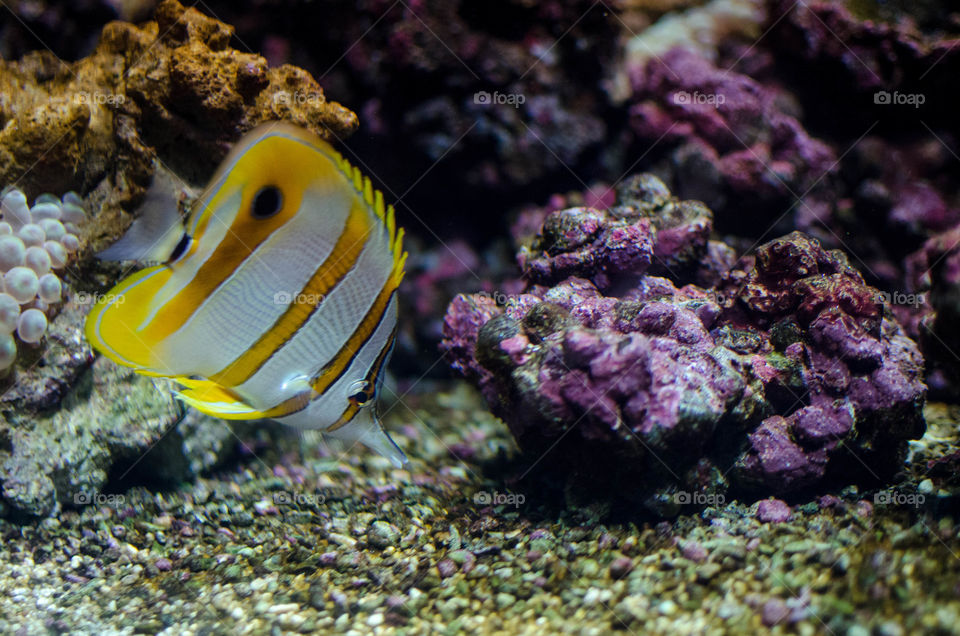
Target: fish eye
{"type": "Point", "coordinates": [266, 202]}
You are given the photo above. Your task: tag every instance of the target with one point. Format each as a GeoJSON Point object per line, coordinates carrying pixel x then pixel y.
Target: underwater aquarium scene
{"type": "Point", "coordinates": [480, 317]}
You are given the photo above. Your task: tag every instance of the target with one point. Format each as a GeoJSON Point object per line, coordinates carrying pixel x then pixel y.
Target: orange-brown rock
{"type": "Point", "coordinates": [170, 91]}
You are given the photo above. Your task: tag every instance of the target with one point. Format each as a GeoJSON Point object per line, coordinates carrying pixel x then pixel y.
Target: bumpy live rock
{"type": "Point", "coordinates": [786, 374]}
{"type": "Point", "coordinates": [171, 90]}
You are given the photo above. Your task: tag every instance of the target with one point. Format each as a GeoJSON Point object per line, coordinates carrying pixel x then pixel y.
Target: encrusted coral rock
{"type": "Point", "coordinates": [786, 374]}
{"type": "Point", "coordinates": [113, 420]}
{"type": "Point", "coordinates": [931, 307]}
{"type": "Point", "coordinates": [861, 375]}
{"type": "Point", "coordinates": [170, 89]}
{"type": "Point", "coordinates": [734, 139]}
{"type": "Point", "coordinates": [646, 229]}
{"type": "Point", "coordinates": [869, 45]}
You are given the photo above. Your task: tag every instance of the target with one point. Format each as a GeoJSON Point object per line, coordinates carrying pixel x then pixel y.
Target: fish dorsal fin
{"type": "Point", "coordinates": [385, 213]}
{"type": "Point", "coordinates": [158, 228]}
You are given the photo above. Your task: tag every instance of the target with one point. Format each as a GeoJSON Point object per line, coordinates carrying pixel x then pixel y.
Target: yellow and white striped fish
{"type": "Point", "coordinates": [278, 299]}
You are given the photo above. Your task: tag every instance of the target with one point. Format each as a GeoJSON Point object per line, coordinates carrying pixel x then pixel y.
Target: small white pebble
{"type": "Point", "coordinates": [15, 210]}
{"type": "Point", "coordinates": [667, 608]}
{"type": "Point", "coordinates": [9, 313]}
{"type": "Point", "coordinates": [5, 228]}
{"type": "Point", "coordinates": [72, 197]}
{"type": "Point", "coordinates": [12, 252]}
{"type": "Point", "coordinates": [32, 234]}
{"type": "Point", "coordinates": [8, 351]}
{"type": "Point", "coordinates": [32, 325]}
{"type": "Point", "coordinates": [58, 254]}
{"type": "Point", "coordinates": [42, 211]}
{"type": "Point", "coordinates": [37, 259]}
{"type": "Point", "coordinates": [21, 283]}
{"type": "Point", "coordinates": [50, 288]}
{"type": "Point", "coordinates": [53, 229]}
{"type": "Point", "coordinates": [71, 228]}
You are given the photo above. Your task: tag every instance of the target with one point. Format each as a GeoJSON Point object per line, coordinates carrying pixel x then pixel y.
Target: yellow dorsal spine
{"type": "Point", "coordinates": [386, 214]}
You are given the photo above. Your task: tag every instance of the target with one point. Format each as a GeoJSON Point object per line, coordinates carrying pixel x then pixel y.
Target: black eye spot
{"type": "Point", "coordinates": [267, 202]}
{"type": "Point", "coordinates": [181, 247]}
{"type": "Point", "coordinates": [362, 396]}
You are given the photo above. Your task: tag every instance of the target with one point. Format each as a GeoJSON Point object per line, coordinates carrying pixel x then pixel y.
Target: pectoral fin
{"type": "Point", "coordinates": [154, 234]}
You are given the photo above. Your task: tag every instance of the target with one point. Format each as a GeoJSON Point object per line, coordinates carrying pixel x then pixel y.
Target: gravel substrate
{"type": "Point", "coordinates": [292, 539]}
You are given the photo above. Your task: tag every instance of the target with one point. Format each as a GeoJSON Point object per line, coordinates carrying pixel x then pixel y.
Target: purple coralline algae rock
{"type": "Point", "coordinates": [773, 511]}
{"type": "Point", "coordinates": [732, 138]}
{"type": "Point", "coordinates": [782, 376]}
{"type": "Point", "coordinates": [885, 47]}
{"type": "Point", "coordinates": [930, 309]}
{"type": "Point", "coordinates": [646, 230]}
{"type": "Point", "coordinates": [909, 183]}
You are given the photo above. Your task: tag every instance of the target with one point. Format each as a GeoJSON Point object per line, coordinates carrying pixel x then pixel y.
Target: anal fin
{"type": "Point", "coordinates": [364, 428]}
